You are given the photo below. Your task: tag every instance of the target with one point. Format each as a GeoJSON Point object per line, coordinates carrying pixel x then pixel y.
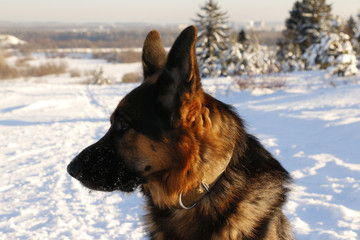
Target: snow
{"type": "Point", "coordinates": [334, 52]}
{"type": "Point", "coordinates": [9, 40]}
{"type": "Point", "coordinates": [312, 126]}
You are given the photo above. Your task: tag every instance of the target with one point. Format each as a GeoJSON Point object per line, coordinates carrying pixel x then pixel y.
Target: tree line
{"type": "Point", "coordinates": [56, 37]}
{"type": "Point", "coordinates": [314, 38]}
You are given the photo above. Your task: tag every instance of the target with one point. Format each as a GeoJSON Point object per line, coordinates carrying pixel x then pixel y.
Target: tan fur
{"type": "Point", "coordinates": [200, 128]}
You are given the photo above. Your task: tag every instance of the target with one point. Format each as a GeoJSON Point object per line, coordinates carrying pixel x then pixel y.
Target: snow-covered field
{"type": "Point", "coordinates": [312, 127]}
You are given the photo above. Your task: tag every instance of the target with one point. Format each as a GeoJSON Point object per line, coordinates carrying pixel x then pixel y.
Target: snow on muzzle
{"type": "Point", "coordinates": [99, 168]}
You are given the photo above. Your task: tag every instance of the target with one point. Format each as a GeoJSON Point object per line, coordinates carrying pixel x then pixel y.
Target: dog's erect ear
{"type": "Point", "coordinates": [153, 54]}
{"type": "Point", "coordinates": [180, 79]}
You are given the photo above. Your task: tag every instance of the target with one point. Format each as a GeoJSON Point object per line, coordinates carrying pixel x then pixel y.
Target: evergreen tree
{"type": "Point", "coordinates": [307, 20]}
{"type": "Point", "coordinates": [243, 37]}
{"type": "Point", "coordinates": [293, 24]}
{"type": "Point", "coordinates": [250, 58]}
{"type": "Point", "coordinates": [316, 16]}
{"type": "Point", "coordinates": [335, 24]}
{"type": "Point", "coordinates": [234, 58]}
{"type": "Point", "coordinates": [212, 39]}
{"type": "Point", "coordinates": [356, 40]}
{"type": "Point", "coordinates": [350, 27]}
{"type": "Point", "coordinates": [234, 54]}
{"type": "Point", "coordinates": [289, 56]}
{"type": "Point", "coordinates": [333, 52]}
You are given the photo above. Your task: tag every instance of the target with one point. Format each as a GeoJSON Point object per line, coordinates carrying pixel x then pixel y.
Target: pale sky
{"type": "Point", "coordinates": [152, 11]}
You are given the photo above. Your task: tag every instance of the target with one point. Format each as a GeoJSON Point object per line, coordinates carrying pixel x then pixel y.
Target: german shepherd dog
{"type": "Point", "coordinates": [203, 176]}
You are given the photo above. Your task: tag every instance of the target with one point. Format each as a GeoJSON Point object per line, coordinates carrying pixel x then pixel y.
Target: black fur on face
{"type": "Point", "coordinates": [112, 163]}
{"type": "Point", "coordinates": [143, 118]}
{"type": "Point", "coordinates": [99, 167]}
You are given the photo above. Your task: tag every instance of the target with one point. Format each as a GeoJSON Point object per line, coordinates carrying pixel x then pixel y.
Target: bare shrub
{"type": "Point", "coordinates": [23, 62]}
{"type": "Point", "coordinates": [273, 84]}
{"type": "Point", "coordinates": [108, 56]}
{"type": "Point", "coordinates": [132, 77]}
{"type": "Point", "coordinates": [98, 78]}
{"type": "Point", "coordinates": [49, 68]}
{"type": "Point", "coordinates": [75, 72]}
{"type": "Point", "coordinates": [22, 68]}
{"type": "Point", "coordinates": [6, 71]}
{"type": "Point", "coordinates": [54, 54]}
{"type": "Point", "coordinates": [245, 83]}
{"type": "Point", "coordinates": [25, 50]}
{"type": "Point", "coordinates": [129, 56]}
{"type": "Point", "coordinates": [260, 82]}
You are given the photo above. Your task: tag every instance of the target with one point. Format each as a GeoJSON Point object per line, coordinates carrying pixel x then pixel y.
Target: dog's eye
{"type": "Point", "coordinates": [121, 126]}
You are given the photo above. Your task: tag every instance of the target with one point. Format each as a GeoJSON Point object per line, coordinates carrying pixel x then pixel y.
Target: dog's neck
{"type": "Point", "coordinates": [216, 156]}
{"type": "Point", "coordinates": [192, 197]}
{"type": "Point", "coordinates": [209, 142]}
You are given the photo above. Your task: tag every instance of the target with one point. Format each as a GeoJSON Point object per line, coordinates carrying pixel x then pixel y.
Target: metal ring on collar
{"type": "Point", "coordinates": [182, 205]}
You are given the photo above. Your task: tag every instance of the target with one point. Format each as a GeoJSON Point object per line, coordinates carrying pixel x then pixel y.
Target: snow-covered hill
{"type": "Point", "coordinates": [9, 40]}
{"type": "Point", "coordinates": [312, 127]}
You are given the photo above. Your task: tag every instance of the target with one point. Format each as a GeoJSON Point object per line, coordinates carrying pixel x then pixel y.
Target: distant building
{"type": "Point", "coordinates": [259, 26]}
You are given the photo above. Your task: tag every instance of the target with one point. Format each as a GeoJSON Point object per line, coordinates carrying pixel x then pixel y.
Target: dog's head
{"type": "Point", "coordinates": [155, 133]}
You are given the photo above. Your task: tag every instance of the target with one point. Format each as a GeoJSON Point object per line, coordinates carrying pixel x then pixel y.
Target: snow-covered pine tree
{"type": "Point", "coordinates": [293, 24]}
{"type": "Point", "coordinates": [350, 27]}
{"type": "Point", "coordinates": [289, 56]}
{"type": "Point", "coordinates": [335, 24]}
{"type": "Point", "coordinates": [308, 18]}
{"type": "Point", "coordinates": [234, 53]}
{"type": "Point", "coordinates": [356, 40]}
{"type": "Point", "coordinates": [234, 58]}
{"type": "Point", "coordinates": [333, 52]}
{"type": "Point", "coordinates": [212, 39]}
{"type": "Point", "coordinates": [243, 38]}
{"type": "Point", "coordinates": [316, 15]}
{"type": "Point", "coordinates": [250, 58]}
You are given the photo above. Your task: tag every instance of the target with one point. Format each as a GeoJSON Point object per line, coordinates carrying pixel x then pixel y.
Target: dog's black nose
{"type": "Point", "coordinates": [74, 168]}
